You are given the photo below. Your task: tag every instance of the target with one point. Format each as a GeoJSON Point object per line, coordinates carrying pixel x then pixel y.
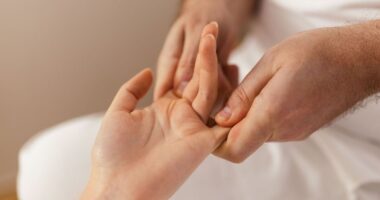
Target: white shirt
{"type": "Point", "coordinates": [341, 161]}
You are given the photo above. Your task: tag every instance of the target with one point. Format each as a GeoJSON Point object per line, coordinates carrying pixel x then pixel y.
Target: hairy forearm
{"type": "Point", "coordinates": [374, 51]}
{"type": "Point", "coordinates": [365, 38]}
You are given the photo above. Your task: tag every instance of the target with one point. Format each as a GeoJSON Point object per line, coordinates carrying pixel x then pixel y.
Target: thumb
{"type": "Point", "coordinates": [243, 96]}
{"type": "Point", "coordinates": [132, 91]}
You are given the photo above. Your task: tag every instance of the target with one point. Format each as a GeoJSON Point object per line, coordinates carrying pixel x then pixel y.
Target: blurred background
{"type": "Point", "coordinates": [63, 59]}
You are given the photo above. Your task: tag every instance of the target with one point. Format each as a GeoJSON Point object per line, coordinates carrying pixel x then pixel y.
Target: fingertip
{"type": "Point", "coordinates": [224, 115]}
{"type": "Point", "coordinates": [146, 73]}
{"type": "Point", "coordinates": [147, 76]}
{"type": "Point", "coordinates": [132, 91]}
{"type": "Point", "coordinates": [143, 80]}
{"type": "Point", "coordinates": [215, 24]}
{"type": "Point", "coordinates": [211, 28]}
{"type": "Point", "coordinates": [149, 73]}
{"type": "Point", "coordinates": [229, 116]}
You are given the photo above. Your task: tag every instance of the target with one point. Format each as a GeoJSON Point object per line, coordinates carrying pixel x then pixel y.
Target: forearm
{"type": "Point", "coordinates": [240, 10]}
{"type": "Point", "coordinates": [374, 52]}
{"type": "Point", "coordinates": [365, 47]}
{"type": "Point", "coordinates": [157, 177]}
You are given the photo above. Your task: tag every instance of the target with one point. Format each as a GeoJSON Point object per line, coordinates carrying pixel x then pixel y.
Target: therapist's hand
{"type": "Point", "coordinates": [177, 58]}
{"type": "Point", "coordinates": [300, 85]}
{"type": "Point", "coordinates": [148, 153]}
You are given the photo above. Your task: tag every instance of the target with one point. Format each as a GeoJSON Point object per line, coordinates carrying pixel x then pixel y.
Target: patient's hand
{"type": "Point", "coordinates": [149, 153]}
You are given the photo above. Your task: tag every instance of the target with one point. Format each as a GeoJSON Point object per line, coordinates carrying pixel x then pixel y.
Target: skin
{"type": "Point", "coordinates": [177, 58]}
{"type": "Point", "coordinates": [300, 85]}
{"type": "Point", "coordinates": [150, 152]}
{"type": "Point", "coordinates": [297, 87]}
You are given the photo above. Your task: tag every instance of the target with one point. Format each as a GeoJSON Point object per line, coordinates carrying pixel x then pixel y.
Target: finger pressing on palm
{"type": "Point", "coordinates": [203, 88]}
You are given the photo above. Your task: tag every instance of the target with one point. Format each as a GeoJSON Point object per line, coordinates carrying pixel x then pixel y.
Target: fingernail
{"type": "Point", "coordinates": [215, 24]}
{"type": "Point", "coordinates": [182, 86]}
{"type": "Point", "coordinates": [211, 36]}
{"type": "Point", "coordinates": [226, 113]}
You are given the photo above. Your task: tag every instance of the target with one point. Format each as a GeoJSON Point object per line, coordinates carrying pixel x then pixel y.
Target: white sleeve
{"type": "Point", "coordinates": [55, 164]}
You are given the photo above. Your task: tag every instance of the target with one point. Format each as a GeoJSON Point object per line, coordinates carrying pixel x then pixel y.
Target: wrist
{"type": "Point", "coordinates": [108, 185]}
{"type": "Point", "coordinates": [98, 187]}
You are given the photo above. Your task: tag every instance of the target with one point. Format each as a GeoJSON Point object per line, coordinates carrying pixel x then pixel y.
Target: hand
{"type": "Point", "coordinates": [177, 58]}
{"type": "Point", "coordinates": [149, 153]}
{"type": "Point", "coordinates": [300, 85]}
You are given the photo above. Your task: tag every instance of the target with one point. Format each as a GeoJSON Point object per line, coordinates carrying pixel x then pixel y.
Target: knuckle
{"type": "Point", "coordinates": [234, 154]}
{"type": "Point", "coordinates": [235, 158]}
{"type": "Point", "coordinates": [270, 110]}
{"type": "Point", "coordinates": [187, 62]}
{"type": "Point", "coordinates": [194, 22]}
{"type": "Point", "coordinates": [270, 55]}
{"type": "Point", "coordinates": [206, 96]}
{"type": "Point", "coordinates": [269, 113]}
{"type": "Point", "coordinates": [125, 87]}
{"type": "Point", "coordinates": [242, 95]}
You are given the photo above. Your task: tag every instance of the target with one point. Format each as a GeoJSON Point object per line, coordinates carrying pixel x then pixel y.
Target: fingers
{"type": "Point", "coordinates": [188, 58]}
{"type": "Point", "coordinates": [186, 63]}
{"type": "Point", "coordinates": [208, 78]}
{"type": "Point", "coordinates": [131, 92]}
{"type": "Point", "coordinates": [192, 88]}
{"type": "Point", "coordinates": [168, 61]}
{"type": "Point", "coordinates": [228, 81]}
{"type": "Point", "coordinates": [203, 88]}
{"type": "Point", "coordinates": [246, 136]}
{"type": "Point", "coordinates": [242, 98]}
{"type": "Point", "coordinates": [212, 29]}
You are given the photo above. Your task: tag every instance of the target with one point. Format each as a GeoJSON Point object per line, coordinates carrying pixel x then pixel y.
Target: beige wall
{"type": "Point", "coordinates": [64, 58]}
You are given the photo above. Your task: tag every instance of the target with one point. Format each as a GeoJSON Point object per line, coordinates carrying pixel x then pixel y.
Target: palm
{"type": "Point", "coordinates": [165, 141]}
{"type": "Point", "coordinates": [169, 123]}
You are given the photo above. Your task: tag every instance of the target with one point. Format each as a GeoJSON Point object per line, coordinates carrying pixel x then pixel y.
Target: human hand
{"type": "Point", "coordinates": [300, 85]}
{"type": "Point", "coordinates": [177, 58]}
{"type": "Point", "coordinates": [149, 153]}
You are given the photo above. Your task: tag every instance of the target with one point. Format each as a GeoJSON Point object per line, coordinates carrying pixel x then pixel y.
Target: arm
{"type": "Point", "coordinates": [300, 85]}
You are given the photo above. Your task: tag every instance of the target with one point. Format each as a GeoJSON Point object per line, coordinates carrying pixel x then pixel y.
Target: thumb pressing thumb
{"type": "Point", "coordinates": [235, 109]}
